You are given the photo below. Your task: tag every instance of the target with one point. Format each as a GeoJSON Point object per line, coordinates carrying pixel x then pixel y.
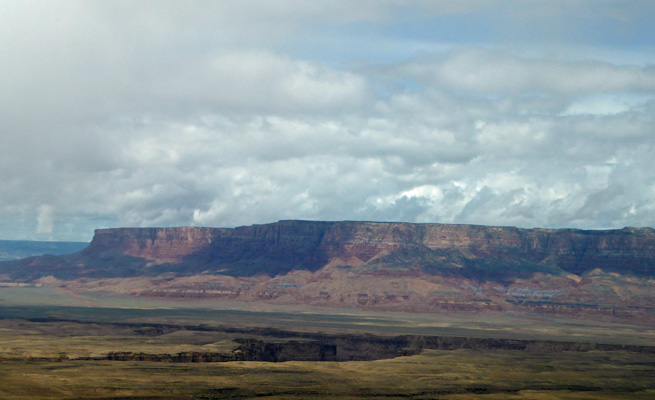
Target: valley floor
{"type": "Point", "coordinates": [66, 360]}
{"type": "Point", "coordinates": [122, 348]}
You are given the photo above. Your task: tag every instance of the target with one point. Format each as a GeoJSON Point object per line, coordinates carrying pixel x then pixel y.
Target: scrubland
{"type": "Point", "coordinates": [434, 374]}
{"type": "Point", "coordinates": [54, 360]}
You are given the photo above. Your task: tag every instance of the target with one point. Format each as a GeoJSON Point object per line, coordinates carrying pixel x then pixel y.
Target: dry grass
{"type": "Point", "coordinates": [432, 375]}
{"type": "Point", "coordinates": [22, 339]}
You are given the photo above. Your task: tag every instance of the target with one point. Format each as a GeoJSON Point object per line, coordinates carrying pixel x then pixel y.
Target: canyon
{"type": "Point", "coordinates": [50, 358]}
{"type": "Point", "coordinates": [383, 266]}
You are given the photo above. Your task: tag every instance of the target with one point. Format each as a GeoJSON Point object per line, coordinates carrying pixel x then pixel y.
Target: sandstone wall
{"type": "Point", "coordinates": [311, 245]}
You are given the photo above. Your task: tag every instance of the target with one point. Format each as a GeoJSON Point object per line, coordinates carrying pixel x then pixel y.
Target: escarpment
{"type": "Point", "coordinates": [161, 244]}
{"type": "Point", "coordinates": [491, 253]}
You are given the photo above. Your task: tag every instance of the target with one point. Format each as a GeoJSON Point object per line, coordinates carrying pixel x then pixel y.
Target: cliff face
{"type": "Point", "coordinates": [480, 252]}
{"type": "Point", "coordinates": [305, 245]}
{"type": "Point", "coordinates": [372, 265]}
{"type": "Point", "coordinates": [160, 244]}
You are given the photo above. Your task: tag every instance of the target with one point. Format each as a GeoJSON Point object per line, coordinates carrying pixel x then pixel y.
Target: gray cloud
{"type": "Point", "coordinates": [205, 113]}
{"type": "Point", "coordinates": [45, 221]}
{"type": "Point", "coordinates": [484, 71]}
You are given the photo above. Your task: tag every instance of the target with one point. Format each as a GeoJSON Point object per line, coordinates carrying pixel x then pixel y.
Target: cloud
{"type": "Point", "coordinates": [266, 82]}
{"type": "Point", "coordinates": [45, 220]}
{"type": "Point", "coordinates": [240, 112]}
{"type": "Point", "coordinates": [483, 71]}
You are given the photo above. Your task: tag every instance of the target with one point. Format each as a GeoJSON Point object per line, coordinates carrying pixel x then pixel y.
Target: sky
{"type": "Point", "coordinates": [535, 113]}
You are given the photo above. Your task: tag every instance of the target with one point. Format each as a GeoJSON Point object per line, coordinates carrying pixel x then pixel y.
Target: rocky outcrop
{"type": "Point", "coordinates": [339, 348]}
{"type": "Point", "coordinates": [160, 244]}
{"type": "Point", "coordinates": [191, 356]}
{"type": "Point", "coordinates": [366, 348]}
{"type": "Point", "coordinates": [470, 251]}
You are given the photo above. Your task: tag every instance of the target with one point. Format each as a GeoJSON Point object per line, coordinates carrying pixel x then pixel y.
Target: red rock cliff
{"type": "Point", "coordinates": [162, 244]}
{"type": "Point", "coordinates": [285, 245]}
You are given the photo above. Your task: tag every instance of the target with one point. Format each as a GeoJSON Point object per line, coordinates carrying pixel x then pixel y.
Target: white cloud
{"type": "Point", "coordinates": [216, 114]}
{"type": "Point", "coordinates": [607, 104]}
{"type": "Point", "coordinates": [45, 220]}
{"type": "Point", "coordinates": [483, 71]}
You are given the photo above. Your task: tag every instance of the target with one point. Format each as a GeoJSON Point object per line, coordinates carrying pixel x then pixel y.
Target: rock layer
{"type": "Point", "coordinates": [305, 245]}
{"type": "Point", "coordinates": [380, 266]}
{"type": "Point", "coordinates": [482, 252]}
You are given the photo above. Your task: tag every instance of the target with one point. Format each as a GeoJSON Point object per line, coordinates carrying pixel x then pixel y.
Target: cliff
{"type": "Point", "coordinates": [606, 274]}
{"type": "Point", "coordinates": [480, 252]}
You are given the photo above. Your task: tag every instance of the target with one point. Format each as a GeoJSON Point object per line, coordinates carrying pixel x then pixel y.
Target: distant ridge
{"type": "Point", "coordinates": [17, 249]}
{"type": "Point", "coordinates": [473, 251]}
{"type": "Point", "coordinates": [373, 265]}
